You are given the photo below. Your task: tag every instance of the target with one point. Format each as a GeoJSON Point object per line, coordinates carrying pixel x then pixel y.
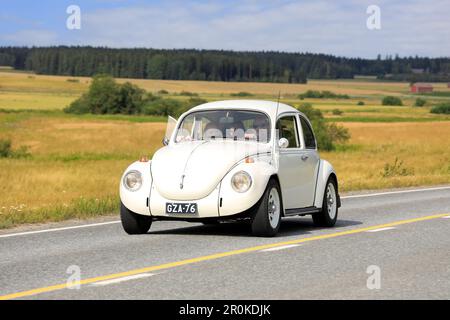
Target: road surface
{"type": "Point", "coordinates": [393, 245]}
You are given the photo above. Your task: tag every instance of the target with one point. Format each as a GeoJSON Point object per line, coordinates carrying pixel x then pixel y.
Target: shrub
{"type": "Point", "coordinates": [6, 150]}
{"type": "Point", "coordinates": [79, 106]}
{"type": "Point", "coordinates": [73, 80]}
{"type": "Point", "coordinates": [188, 94]}
{"type": "Point", "coordinates": [163, 91]}
{"type": "Point", "coordinates": [360, 103]}
{"type": "Point", "coordinates": [129, 99]}
{"type": "Point", "coordinates": [338, 134]}
{"type": "Point", "coordinates": [105, 96]}
{"type": "Point", "coordinates": [170, 107]}
{"type": "Point", "coordinates": [327, 135]}
{"type": "Point", "coordinates": [242, 94]}
{"type": "Point", "coordinates": [162, 107]}
{"type": "Point", "coordinates": [391, 101]}
{"type": "Point", "coordinates": [443, 108]}
{"type": "Point", "coordinates": [420, 102]}
{"type": "Point", "coordinates": [396, 169]}
{"type": "Point", "coordinates": [314, 94]}
{"type": "Point", "coordinates": [337, 112]}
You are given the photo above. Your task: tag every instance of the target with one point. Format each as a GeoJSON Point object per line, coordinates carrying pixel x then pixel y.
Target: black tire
{"type": "Point", "coordinates": [323, 218]}
{"type": "Point", "coordinates": [261, 225]}
{"type": "Point", "coordinates": [134, 223]}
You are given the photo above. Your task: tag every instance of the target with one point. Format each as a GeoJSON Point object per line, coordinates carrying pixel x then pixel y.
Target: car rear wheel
{"type": "Point", "coordinates": [267, 218]}
{"type": "Point", "coordinates": [328, 215]}
{"type": "Point", "coordinates": [134, 223]}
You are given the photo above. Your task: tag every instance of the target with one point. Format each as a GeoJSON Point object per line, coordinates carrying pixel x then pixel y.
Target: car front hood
{"type": "Point", "coordinates": [191, 170]}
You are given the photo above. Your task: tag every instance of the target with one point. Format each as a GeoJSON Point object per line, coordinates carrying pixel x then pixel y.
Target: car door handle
{"type": "Point", "coordinates": [304, 158]}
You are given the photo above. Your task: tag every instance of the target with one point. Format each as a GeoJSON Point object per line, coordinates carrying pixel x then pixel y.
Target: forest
{"type": "Point", "coordinates": [218, 65]}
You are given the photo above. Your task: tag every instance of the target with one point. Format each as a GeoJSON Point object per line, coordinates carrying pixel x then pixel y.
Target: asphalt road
{"type": "Point", "coordinates": [403, 236]}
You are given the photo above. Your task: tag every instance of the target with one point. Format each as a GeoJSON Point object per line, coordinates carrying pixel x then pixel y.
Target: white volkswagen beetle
{"type": "Point", "coordinates": [248, 160]}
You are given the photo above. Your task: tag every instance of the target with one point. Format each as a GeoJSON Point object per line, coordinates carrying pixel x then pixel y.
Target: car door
{"type": "Point", "coordinates": [309, 162]}
{"type": "Point", "coordinates": [290, 169]}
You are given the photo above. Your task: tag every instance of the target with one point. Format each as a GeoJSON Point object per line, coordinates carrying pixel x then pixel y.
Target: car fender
{"type": "Point", "coordinates": [232, 202]}
{"type": "Point", "coordinates": [325, 171]}
{"type": "Point", "coordinates": [136, 201]}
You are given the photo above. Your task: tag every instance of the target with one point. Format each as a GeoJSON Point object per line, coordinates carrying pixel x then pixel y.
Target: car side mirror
{"type": "Point", "coordinates": [283, 143]}
{"type": "Point", "coordinates": [165, 141]}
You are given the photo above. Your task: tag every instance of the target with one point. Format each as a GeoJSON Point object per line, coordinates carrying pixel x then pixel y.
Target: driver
{"type": "Point", "coordinates": [212, 131]}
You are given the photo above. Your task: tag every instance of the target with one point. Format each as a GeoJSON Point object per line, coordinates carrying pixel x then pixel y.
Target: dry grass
{"type": "Point", "coordinates": [29, 84]}
{"type": "Point", "coordinates": [424, 149]}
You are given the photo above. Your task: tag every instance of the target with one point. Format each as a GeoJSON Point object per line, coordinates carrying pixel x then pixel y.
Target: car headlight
{"type": "Point", "coordinates": [132, 180]}
{"type": "Point", "coordinates": [241, 181]}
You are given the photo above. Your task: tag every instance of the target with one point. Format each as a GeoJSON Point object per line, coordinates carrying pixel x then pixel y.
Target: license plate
{"type": "Point", "coordinates": [181, 208]}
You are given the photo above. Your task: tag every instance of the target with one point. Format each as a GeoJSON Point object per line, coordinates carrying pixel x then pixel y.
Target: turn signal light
{"type": "Point", "coordinates": [249, 160]}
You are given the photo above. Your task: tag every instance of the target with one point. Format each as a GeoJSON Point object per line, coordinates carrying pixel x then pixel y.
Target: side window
{"type": "Point", "coordinates": [287, 128]}
{"type": "Point", "coordinates": [308, 135]}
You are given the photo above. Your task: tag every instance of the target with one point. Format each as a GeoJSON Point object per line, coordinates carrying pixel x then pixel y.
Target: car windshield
{"type": "Point", "coordinates": [224, 124]}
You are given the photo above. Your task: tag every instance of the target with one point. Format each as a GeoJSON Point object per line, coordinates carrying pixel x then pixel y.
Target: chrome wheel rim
{"type": "Point", "coordinates": [331, 201]}
{"type": "Point", "coordinates": [274, 207]}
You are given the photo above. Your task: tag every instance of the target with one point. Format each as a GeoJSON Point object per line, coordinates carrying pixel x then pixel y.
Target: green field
{"type": "Point", "coordinates": [75, 161]}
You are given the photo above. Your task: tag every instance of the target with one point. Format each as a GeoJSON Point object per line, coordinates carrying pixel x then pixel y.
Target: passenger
{"type": "Point", "coordinates": [235, 131]}
{"type": "Point", "coordinates": [259, 131]}
{"type": "Point", "coordinates": [212, 131]}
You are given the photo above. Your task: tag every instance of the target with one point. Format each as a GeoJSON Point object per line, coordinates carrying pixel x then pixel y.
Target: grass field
{"type": "Point", "coordinates": [76, 161]}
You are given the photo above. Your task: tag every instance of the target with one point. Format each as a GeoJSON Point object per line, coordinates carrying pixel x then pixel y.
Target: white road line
{"type": "Point", "coordinates": [118, 221]}
{"type": "Point", "coordinates": [381, 229]}
{"type": "Point", "coordinates": [393, 192]}
{"type": "Point", "coordinates": [123, 279]}
{"type": "Point", "coordinates": [281, 248]}
{"type": "Point", "coordinates": [58, 229]}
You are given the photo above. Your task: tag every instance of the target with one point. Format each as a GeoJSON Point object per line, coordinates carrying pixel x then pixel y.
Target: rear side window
{"type": "Point", "coordinates": [287, 128]}
{"type": "Point", "coordinates": [308, 135]}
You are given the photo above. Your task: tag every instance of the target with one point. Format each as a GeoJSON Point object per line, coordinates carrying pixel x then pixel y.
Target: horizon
{"type": "Point", "coordinates": [385, 57]}
{"type": "Point", "coordinates": [416, 28]}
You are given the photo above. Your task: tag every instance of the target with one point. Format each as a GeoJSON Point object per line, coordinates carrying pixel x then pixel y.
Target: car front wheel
{"type": "Point", "coordinates": [134, 223]}
{"type": "Point", "coordinates": [267, 219]}
{"type": "Point", "coordinates": [328, 215]}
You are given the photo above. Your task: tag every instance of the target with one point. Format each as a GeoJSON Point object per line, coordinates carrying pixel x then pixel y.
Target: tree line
{"type": "Point", "coordinates": [216, 65]}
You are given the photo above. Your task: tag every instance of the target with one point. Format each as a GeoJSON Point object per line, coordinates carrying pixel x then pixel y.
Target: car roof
{"type": "Point", "coordinates": [269, 107]}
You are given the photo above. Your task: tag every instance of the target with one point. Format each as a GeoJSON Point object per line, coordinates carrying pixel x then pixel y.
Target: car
{"type": "Point", "coordinates": [252, 161]}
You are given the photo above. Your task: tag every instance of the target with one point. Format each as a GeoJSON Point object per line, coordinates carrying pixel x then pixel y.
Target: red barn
{"type": "Point", "coordinates": [421, 88]}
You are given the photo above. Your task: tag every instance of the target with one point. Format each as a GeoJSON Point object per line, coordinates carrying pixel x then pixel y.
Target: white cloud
{"type": "Point", "coordinates": [325, 26]}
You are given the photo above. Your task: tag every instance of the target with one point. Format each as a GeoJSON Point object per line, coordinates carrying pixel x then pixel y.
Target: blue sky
{"type": "Point", "coordinates": [414, 27]}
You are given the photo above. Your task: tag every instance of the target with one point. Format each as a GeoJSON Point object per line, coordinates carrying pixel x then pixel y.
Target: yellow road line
{"type": "Point", "coordinates": [214, 256]}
